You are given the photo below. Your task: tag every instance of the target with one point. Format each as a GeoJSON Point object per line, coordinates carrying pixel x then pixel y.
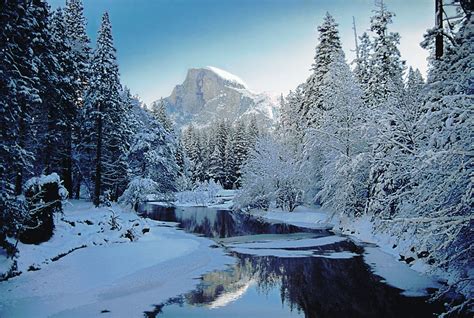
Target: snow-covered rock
{"type": "Point", "coordinates": [209, 94]}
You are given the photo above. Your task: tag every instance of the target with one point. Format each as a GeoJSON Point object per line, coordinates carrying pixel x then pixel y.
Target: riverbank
{"type": "Point", "coordinates": [92, 264]}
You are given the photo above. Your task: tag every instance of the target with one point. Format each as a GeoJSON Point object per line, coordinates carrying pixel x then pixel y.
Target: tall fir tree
{"type": "Point", "coordinates": [362, 69]}
{"type": "Point", "coordinates": [329, 45]}
{"type": "Point", "coordinates": [76, 39]}
{"type": "Point", "coordinates": [20, 95]}
{"type": "Point", "coordinates": [159, 111]}
{"type": "Point", "coordinates": [386, 67]}
{"type": "Point", "coordinates": [105, 128]}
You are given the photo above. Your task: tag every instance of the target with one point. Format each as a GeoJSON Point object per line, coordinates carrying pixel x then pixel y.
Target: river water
{"type": "Point", "coordinates": [281, 271]}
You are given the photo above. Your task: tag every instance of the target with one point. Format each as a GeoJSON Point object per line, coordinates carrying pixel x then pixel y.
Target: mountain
{"type": "Point", "coordinates": [209, 94]}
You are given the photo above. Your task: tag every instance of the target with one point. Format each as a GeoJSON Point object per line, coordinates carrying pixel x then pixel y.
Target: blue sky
{"type": "Point", "coordinates": [268, 43]}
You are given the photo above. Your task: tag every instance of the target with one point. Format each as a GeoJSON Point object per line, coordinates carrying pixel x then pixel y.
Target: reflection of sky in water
{"type": "Point", "coordinates": [251, 304]}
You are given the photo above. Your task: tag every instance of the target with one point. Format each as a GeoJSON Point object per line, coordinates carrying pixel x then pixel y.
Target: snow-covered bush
{"type": "Point", "coordinates": [203, 193]}
{"type": "Point", "coordinates": [44, 196]}
{"type": "Point", "coordinates": [137, 191]}
{"type": "Point", "coordinates": [270, 176]}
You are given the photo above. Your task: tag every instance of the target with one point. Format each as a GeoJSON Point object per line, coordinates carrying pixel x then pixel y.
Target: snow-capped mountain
{"type": "Point", "coordinates": [209, 94]}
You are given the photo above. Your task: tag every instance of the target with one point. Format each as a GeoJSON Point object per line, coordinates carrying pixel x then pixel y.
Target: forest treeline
{"type": "Point", "coordinates": [378, 141]}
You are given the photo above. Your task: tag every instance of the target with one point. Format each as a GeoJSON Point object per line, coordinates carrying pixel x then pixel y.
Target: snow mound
{"type": "Point", "coordinates": [398, 274]}
{"type": "Point", "coordinates": [227, 76]}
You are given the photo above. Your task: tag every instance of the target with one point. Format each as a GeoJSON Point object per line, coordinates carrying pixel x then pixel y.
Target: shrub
{"type": "Point", "coordinates": [44, 196]}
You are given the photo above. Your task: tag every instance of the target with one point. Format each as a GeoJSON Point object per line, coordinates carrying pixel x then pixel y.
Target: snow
{"type": "Point", "coordinates": [398, 274]}
{"type": "Point", "coordinates": [286, 245]}
{"type": "Point", "coordinates": [5, 262]}
{"type": "Point", "coordinates": [227, 76]}
{"type": "Point", "coordinates": [121, 276]}
{"type": "Point", "coordinates": [274, 252]}
{"type": "Point", "coordinates": [308, 217]}
{"type": "Point", "coordinates": [298, 243]}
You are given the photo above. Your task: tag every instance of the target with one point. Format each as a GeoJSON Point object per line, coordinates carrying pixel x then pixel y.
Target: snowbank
{"type": "Point", "coordinates": [87, 268]}
{"type": "Point", "coordinates": [313, 218]}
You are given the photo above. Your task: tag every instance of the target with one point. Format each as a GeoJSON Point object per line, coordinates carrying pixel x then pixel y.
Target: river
{"type": "Point", "coordinates": [281, 270]}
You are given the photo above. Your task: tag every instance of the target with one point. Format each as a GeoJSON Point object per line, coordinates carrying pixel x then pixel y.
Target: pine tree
{"type": "Point", "coordinates": [152, 155]}
{"type": "Point", "coordinates": [241, 147]}
{"type": "Point", "coordinates": [105, 118]}
{"type": "Point", "coordinates": [59, 102]}
{"type": "Point", "coordinates": [159, 111]}
{"type": "Point", "coordinates": [291, 128]}
{"type": "Point", "coordinates": [19, 91]}
{"type": "Point", "coordinates": [76, 38]}
{"type": "Point", "coordinates": [341, 142]}
{"type": "Point", "coordinates": [253, 132]}
{"type": "Point", "coordinates": [182, 161]}
{"type": "Point", "coordinates": [19, 96]}
{"type": "Point", "coordinates": [386, 67]}
{"type": "Point", "coordinates": [193, 150]}
{"type": "Point", "coordinates": [362, 69]}
{"type": "Point", "coordinates": [329, 45]}
{"type": "Point", "coordinates": [216, 166]}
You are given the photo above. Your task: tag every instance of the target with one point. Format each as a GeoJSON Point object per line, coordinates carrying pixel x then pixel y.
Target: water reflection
{"type": "Point", "coordinates": [220, 223]}
{"type": "Point", "coordinates": [282, 286]}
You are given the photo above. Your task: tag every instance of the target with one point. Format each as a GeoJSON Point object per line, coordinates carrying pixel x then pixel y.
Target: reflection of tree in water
{"type": "Point", "coordinates": [323, 287]}
{"type": "Point", "coordinates": [318, 287]}
{"type": "Point", "coordinates": [220, 223]}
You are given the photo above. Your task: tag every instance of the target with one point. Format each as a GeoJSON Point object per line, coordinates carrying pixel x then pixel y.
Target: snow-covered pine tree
{"type": "Point", "coordinates": [386, 67]}
{"type": "Point", "coordinates": [329, 45]}
{"type": "Point", "coordinates": [19, 91]}
{"type": "Point", "coordinates": [253, 132]}
{"type": "Point", "coordinates": [216, 166]}
{"type": "Point", "coordinates": [19, 95]}
{"type": "Point", "coordinates": [230, 163]}
{"type": "Point", "coordinates": [291, 128]}
{"type": "Point", "coordinates": [105, 128]}
{"type": "Point", "coordinates": [182, 161]}
{"type": "Point", "coordinates": [58, 115]}
{"type": "Point", "coordinates": [158, 110]}
{"type": "Point", "coordinates": [362, 64]}
{"type": "Point", "coordinates": [341, 138]}
{"type": "Point", "coordinates": [240, 145]}
{"type": "Point", "coordinates": [193, 150]}
{"type": "Point", "coordinates": [152, 155]}
{"type": "Point", "coordinates": [76, 38]}
{"type": "Point", "coordinates": [78, 41]}
{"type": "Point", "coordinates": [386, 97]}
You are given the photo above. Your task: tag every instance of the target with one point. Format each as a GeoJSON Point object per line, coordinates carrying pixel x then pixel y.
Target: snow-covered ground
{"type": "Point", "coordinates": [111, 273]}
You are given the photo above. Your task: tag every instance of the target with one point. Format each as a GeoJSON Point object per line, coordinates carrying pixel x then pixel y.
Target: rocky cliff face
{"type": "Point", "coordinates": [209, 94]}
